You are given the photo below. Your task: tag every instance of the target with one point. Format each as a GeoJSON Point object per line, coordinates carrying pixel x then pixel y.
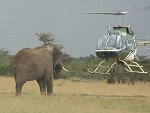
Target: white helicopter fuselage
{"type": "Point", "coordinates": [118, 44]}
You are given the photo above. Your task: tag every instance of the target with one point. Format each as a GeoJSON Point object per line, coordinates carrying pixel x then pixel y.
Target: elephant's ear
{"type": "Point", "coordinates": [57, 55]}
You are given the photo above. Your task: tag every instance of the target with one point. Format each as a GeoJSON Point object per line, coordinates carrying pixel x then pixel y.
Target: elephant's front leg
{"type": "Point", "coordinates": [49, 84]}
{"type": "Point", "coordinates": [49, 80]}
{"type": "Point", "coordinates": [42, 85]}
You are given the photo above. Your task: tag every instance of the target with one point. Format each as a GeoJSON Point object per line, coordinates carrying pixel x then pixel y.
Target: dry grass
{"type": "Point", "coordinates": [101, 88]}
{"type": "Point", "coordinates": [76, 97]}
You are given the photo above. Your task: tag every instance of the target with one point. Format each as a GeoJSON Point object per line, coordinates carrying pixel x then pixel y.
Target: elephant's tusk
{"type": "Point", "coordinates": [65, 69]}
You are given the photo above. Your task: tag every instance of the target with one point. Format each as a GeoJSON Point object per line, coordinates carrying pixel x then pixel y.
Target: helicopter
{"type": "Point", "coordinates": [119, 45]}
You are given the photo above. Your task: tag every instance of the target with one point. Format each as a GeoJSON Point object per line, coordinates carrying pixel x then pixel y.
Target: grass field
{"type": "Point", "coordinates": [75, 97]}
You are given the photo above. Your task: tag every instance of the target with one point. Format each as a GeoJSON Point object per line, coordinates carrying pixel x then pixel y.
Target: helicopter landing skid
{"type": "Point", "coordinates": [138, 68]}
{"type": "Point", "coordinates": [102, 66]}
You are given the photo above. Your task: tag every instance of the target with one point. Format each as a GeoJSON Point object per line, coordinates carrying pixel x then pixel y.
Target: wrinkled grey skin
{"type": "Point", "coordinates": [39, 64]}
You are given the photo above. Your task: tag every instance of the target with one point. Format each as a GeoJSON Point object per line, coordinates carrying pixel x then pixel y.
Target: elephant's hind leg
{"type": "Point", "coordinates": [41, 82]}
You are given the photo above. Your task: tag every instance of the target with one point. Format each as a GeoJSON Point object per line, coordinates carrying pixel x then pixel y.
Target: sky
{"type": "Point", "coordinates": [77, 32]}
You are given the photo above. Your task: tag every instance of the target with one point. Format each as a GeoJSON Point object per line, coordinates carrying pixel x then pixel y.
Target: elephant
{"type": "Point", "coordinates": [42, 64]}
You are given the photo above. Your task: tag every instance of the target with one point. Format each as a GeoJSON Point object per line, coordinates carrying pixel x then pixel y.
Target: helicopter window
{"type": "Point", "coordinates": [131, 45]}
{"type": "Point", "coordinates": [118, 42]}
{"type": "Point", "coordinates": [113, 41]}
{"type": "Point", "coordinates": [110, 41]}
{"type": "Point", "coordinates": [130, 32]}
{"type": "Point", "coordinates": [123, 45]}
{"type": "Point", "coordinates": [102, 41]}
{"type": "Point", "coordinates": [130, 41]}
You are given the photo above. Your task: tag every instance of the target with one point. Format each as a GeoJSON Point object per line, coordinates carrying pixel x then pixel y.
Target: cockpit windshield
{"type": "Point", "coordinates": [113, 42]}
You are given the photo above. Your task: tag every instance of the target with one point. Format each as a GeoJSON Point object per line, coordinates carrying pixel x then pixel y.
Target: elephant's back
{"type": "Point", "coordinates": [23, 55]}
{"type": "Point", "coordinates": [32, 58]}
{"type": "Point", "coordinates": [29, 62]}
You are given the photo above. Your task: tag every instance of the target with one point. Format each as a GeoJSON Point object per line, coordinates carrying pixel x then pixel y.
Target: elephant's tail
{"type": "Point", "coordinates": [14, 69]}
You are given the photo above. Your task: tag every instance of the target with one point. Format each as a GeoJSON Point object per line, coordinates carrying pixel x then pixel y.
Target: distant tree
{"type": "Point", "coordinates": [4, 52]}
{"type": "Point", "coordinates": [59, 46]}
{"type": "Point", "coordinates": [67, 58]}
{"type": "Point", "coordinates": [48, 39]}
{"type": "Point", "coordinates": [5, 59]}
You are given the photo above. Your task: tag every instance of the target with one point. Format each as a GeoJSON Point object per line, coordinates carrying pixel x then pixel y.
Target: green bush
{"type": "Point", "coordinates": [78, 68]}
{"type": "Point", "coordinates": [5, 61]}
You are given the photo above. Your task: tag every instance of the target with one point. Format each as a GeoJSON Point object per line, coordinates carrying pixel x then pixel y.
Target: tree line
{"type": "Point", "coordinates": [78, 66]}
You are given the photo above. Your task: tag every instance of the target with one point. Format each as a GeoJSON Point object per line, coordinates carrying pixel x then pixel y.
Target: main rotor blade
{"type": "Point", "coordinates": [107, 13]}
{"type": "Point", "coordinates": [118, 13]}
{"type": "Point", "coordinates": [135, 10]}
